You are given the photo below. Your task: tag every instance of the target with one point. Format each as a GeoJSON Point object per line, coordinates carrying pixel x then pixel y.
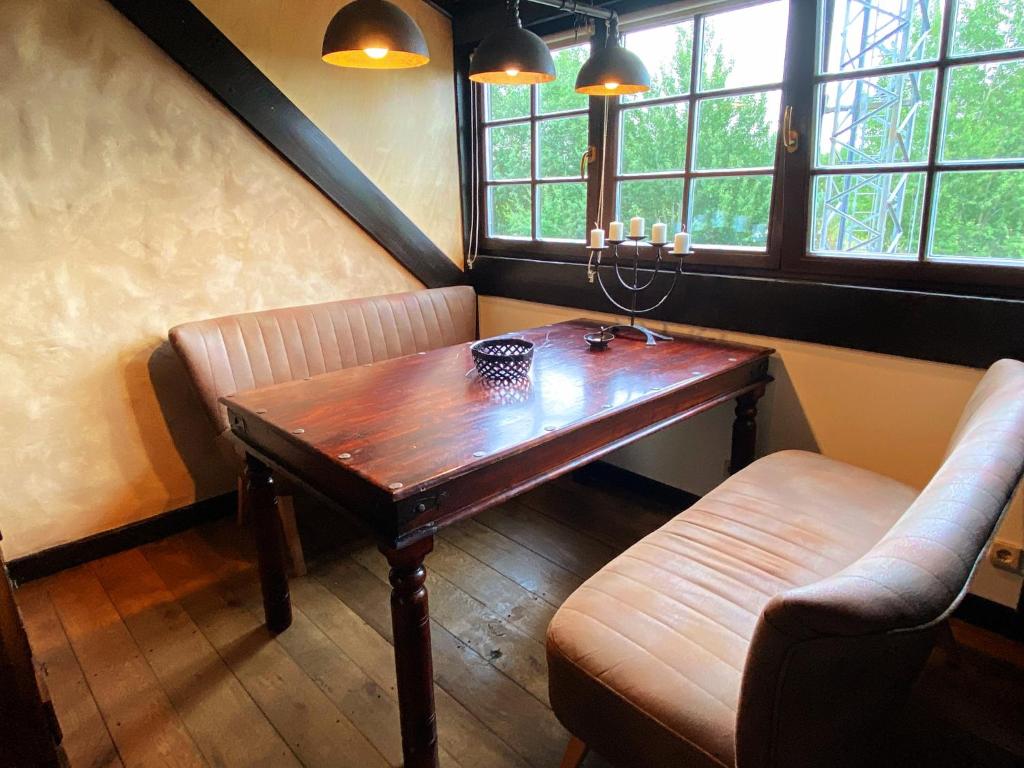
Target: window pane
{"type": "Point", "coordinates": [861, 35]}
{"type": "Point", "coordinates": [979, 215]}
{"type": "Point", "coordinates": [737, 131]}
{"type": "Point", "coordinates": [868, 215]}
{"type": "Point", "coordinates": [984, 117]}
{"type": "Point", "coordinates": [506, 101]}
{"type": "Point", "coordinates": [653, 139]}
{"type": "Point", "coordinates": [667, 53]}
{"type": "Point", "coordinates": [560, 94]}
{"type": "Point", "coordinates": [876, 120]}
{"type": "Point", "coordinates": [744, 47]}
{"type": "Point", "coordinates": [731, 210]}
{"type": "Point", "coordinates": [562, 144]}
{"type": "Point", "coordinates": [563, 211]}
{"type": "Point", "coordinates": [655, 200]}
{"type": "Point", "coordinates": [508, 152]}
{"type": "Point", "coordinates": [508, 211]}
{"type": "Point", "coordinates": [983, 26]}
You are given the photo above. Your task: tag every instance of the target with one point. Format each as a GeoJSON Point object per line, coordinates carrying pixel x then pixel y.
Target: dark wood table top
{"type": "Point", "coordinates": [396, 429]}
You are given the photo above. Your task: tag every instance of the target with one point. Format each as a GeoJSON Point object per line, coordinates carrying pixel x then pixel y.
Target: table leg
{"type": "Point", "coordinates": [270, 544]}
{"type": "Point", "coordinates": [410, 622]}
{"type": "Point", "coordinates": [744, 430]}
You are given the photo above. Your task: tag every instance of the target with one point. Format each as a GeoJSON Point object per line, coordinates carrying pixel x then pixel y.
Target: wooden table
{"type": "Point", "coordinates": [416, 443]}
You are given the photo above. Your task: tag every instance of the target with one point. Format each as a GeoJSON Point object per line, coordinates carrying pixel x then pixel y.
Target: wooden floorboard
{"type": "Point", "coordinates": [158, 656]}
{"type": "Point", "coordinates": [316, 730]}
{"type": "Point", "coordinates": [144, 725]}
{"type": "Point", "coordinates": [226, 724]}
{"type": "Point", "coordinates": [86, 738]}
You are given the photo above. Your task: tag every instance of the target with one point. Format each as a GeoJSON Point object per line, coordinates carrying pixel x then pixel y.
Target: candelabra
{"type": "Point", "coordinates": [634, 283]}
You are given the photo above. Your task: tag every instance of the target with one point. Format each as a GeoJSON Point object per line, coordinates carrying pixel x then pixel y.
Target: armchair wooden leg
{"type": "Point", "coordinates": [575, 753]}
{"type": "Point", "coordinates": [296, 560]}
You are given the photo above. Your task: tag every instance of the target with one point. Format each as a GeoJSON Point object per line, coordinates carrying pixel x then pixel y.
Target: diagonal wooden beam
{"type": "Point", "coordinates": [202, 50]}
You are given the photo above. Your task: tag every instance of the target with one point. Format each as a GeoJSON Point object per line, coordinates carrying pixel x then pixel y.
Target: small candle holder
{"type": "Point", "coordinates": [631, 280]}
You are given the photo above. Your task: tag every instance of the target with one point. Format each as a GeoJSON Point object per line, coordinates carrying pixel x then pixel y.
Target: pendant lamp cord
{"type": "Point", "coordinates": [474, 183]}
{"type": "Point", "coordinates": [591, 273]}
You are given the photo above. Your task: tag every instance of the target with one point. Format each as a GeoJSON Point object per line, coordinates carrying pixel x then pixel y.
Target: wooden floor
{"type": "Point", "coordinates": [157, 656]}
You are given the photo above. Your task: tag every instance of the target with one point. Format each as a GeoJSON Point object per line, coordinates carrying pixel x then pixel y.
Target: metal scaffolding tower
{"type": "Point", "coordinates": [871, 122]}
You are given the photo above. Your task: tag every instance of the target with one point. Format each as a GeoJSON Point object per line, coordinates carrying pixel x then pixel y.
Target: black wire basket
{"type": "Point", "coordinates": [503, 359]}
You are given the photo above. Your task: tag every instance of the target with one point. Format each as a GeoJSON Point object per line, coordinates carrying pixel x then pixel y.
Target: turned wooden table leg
{"type": "Point", "coordinates": [270, 545]}
{"type": "Point", "coordinates": [744, 430]}
{"type": "Point", "coordinates": [410, 621]}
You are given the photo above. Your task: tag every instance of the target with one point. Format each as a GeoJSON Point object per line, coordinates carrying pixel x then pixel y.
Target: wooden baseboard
{"type": "Point", "coordinates": [59, 558]}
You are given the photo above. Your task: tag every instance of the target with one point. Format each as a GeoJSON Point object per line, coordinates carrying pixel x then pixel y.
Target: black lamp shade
{"type": "Point", "coordinates": [613, 71]}
{"type": "Point", "coordinates": [512, 56]}
{"type": "Point", "coordinates": [374, 34]}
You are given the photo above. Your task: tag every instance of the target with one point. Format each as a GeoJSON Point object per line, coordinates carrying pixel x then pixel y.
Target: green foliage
{"type": "Point", "coordinates": [510, 210]}
{"type": "Point", "coordinates": [558, 200]}
{"type": "Point", "coordinates": [737, 132]}
{"type": "Point", "coordinates": [505, 102]}
{"type": "Point", "coordinates": [978, 213]}
{"type": "Point", "coordinates": [985, 112]}
{"type": "Point", "coordinates": [560, 94]}
{"type": "Point", "coordinates": [562, 143]}
{"type": "Point", "coordinates": [731, 210]}
{"type": "Point", "coordinates": [653, 138]}
{"type": "Point", "coordinates": [988, 25]}
{"type": "Point", "coordinates": [672, 78]}
{"type": "Point", "coordinates": [654, 199]}
{"type": "Point", "coordinates": [508, 148]}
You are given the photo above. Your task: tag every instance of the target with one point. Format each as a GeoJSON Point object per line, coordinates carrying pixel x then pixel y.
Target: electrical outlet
{"type": "Point", "coordinates": [1006, 557]}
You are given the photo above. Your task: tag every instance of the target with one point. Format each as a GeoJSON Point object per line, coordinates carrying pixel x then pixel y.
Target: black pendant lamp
{"type": "Point", "coordinates": [512, 56]}
{"type": "Point", "coordinates": [613, 70]}
{"type": "Point", "coordinates": [374, 34]}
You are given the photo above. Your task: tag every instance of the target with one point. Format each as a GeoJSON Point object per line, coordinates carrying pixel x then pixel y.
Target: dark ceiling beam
{"type": "Point", "coordinates": [473, 21]}
{"type": "Point", "coordinates": [195, 43]}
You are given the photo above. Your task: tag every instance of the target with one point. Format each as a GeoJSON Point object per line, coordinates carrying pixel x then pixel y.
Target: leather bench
{"type": "Point", "coordinates": [234, 353]}
{"type": "Point", "coordinates": [781, 620]}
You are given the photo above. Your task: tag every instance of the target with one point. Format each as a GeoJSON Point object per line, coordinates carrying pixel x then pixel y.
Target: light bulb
{"type": "Point", "coordinates": [611, 86]}
{"type": "Point", "coordinates": [512, 72]}
{"type": "Point", "coordinates": [376, 53]}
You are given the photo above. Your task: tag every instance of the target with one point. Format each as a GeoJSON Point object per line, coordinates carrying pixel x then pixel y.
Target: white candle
{"type": "Point", "coordinates": [597, 238]}
{"type": "Point", "coordinates": [636, 226]}
{"type": "Point", "coordinates": [615, 231]}
{"type": "Point", "coordinates": [682, 243]}
{"type": "Point", "coordinates": [659, 233]}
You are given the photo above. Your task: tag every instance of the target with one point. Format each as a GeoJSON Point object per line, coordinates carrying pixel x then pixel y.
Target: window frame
{"type": "Point", "coordinates": [703, 255]}
{"type": "Point", "coordinates": [534, 244]}
{"type": "Point", "coordinates": [798, 258]}
{"type": "Point", "coordinates": [788, 254]}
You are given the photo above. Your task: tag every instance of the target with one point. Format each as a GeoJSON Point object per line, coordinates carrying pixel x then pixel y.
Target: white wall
{"type": "Point", "coordinates": [892, 415]}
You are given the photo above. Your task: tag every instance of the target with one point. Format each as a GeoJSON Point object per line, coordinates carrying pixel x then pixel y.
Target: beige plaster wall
{"type": "Point", "coordinates": [397, 126]}
{"type": "Point", "coordinates": [888, 414]}
{"type": "Point", "coordinates": [130, 201]}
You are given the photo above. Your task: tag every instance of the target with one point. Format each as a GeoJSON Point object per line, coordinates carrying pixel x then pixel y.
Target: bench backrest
{"type": "Point", "coordinates": [239, 352]}
{"type": "Point", "coordinates": [829, 662]}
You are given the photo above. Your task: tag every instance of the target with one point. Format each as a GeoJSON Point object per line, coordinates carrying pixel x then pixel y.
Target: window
{"type": "Point", "coordinates": [703, 139]}
{"type": "Point", "coordinates": [919, 153]}
{"type": "Point", "coordinates": [909, 166]}
{"type": "Point", "coordinates": [534, 140]}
